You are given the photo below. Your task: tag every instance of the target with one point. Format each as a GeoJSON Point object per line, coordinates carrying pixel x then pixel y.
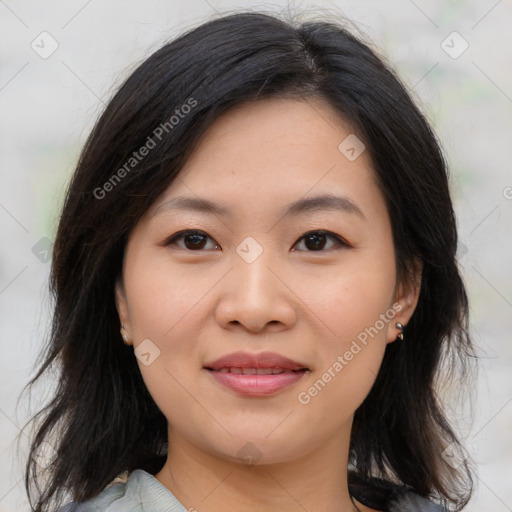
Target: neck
{"type": "Point", "coordinates": [315, 481]}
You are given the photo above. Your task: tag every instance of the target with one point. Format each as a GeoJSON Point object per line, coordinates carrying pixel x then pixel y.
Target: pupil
{"type": "Point", "coordinates": [197, 241]}
{"type": "Point", "coordinates": [318, 241]}
{"type": "Point", "coordinates": [314, 241]}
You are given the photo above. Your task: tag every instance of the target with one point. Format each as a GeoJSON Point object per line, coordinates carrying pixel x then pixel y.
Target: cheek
{"type": "Point", "coordinates": [350, 359]}
{"type": "Point", "coordinates": [353, 299]}
{"type": "Point", "coordinates": [355, 305]}
{"type": "Point", "coordinates": [164, 307]}
{"type": "Point", "coordinates": [163, 296]}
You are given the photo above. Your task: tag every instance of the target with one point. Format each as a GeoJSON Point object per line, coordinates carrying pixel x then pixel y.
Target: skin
{"type": "Point", "coordinates": [197, 305]}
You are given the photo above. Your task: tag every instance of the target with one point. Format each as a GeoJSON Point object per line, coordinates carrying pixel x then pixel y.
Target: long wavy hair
{"type": "Point", "coordinates": [101, 421]}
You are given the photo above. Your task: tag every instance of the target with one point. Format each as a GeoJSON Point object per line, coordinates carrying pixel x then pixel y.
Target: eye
{"type": "Point", "coordinates": [315, 240]}
{"type": "Point", "coordinates": [193, 239]}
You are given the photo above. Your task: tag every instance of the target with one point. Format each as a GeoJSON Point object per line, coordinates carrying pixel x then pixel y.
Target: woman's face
{"type": "Point", "coordinates": [250, 281]}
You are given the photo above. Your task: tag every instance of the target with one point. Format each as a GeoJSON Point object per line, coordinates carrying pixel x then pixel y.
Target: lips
{"type": "Point", "coordinates": [255, 371]}
{"type": "Point", "coordinates": [256, 375]}
{"type": "Point", "coordinates": [255, 363]}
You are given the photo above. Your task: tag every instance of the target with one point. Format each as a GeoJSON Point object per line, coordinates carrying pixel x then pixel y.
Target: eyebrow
{"type": "Point", "coordinates": [304, 205]}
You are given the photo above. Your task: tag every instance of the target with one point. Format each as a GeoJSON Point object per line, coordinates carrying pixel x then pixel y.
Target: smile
{"type": "Point", "coordinates": [255, 371]}
{"type": "Point", "coordinates": [256, 374]}
{"type": "Point", "coordinates": [257, 381]}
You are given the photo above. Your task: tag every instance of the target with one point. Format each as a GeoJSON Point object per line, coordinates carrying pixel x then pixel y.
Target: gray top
{"type": "Point", "coordinates": [412, 502]}
{"type": "Point", "coordinates": [142, 492]}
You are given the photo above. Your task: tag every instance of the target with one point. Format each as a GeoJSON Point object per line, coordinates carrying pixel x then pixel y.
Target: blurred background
{"type": "Point", "coordinates": [61, 61]}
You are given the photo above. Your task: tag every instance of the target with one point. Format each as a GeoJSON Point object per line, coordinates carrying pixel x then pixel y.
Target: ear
{"type": "Point", "coordinates": [406, 299]}
{"type": "Point", "coordinates": [122, 308]}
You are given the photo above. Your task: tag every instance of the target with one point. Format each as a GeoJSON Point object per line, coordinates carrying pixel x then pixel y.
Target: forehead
{"type": "Point", "coordinates": [273, 151]}
{"type": "Point", "coordinates": [273, 134]}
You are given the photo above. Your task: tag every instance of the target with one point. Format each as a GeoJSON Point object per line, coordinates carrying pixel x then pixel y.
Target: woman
{"type": "Point", "coordinates": [263, 215]}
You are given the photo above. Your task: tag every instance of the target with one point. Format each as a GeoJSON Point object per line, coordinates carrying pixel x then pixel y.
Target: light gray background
{"type": "Point", "coordinates": [48, 106]}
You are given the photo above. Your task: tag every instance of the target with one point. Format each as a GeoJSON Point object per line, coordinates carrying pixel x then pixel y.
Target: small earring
{"type": "Point", "coordinates": [400, 326]}
{"type": "Point", "coordinates": [125, 339]}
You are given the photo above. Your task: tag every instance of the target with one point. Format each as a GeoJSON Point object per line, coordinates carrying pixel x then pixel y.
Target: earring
{"type": "Point", "coordinates": [125, 339]}
{"type": "Point", "coordinates": [400, 326]}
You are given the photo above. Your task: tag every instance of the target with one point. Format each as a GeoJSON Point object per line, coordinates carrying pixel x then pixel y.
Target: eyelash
{"type": "Point", "coordinates": [182, 234]}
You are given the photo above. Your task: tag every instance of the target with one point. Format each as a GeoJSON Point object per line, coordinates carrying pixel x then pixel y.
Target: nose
{"type": "Point", "coordinates": [256, 296]}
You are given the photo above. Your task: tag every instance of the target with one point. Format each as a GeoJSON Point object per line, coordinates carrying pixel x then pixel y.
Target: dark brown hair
{"type": "Point", "coordinates": [102, 420]}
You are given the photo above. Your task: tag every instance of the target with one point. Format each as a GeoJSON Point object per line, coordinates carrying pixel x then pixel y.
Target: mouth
{"type": "Point", "coordinates": [256, 374]}
{"type": "Point", "coordinates": [257, 371]}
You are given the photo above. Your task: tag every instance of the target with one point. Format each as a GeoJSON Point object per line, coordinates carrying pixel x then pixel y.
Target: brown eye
{"type": "Point", "coordinates": [315, 241]}
{"type": "Point", "coordinates": [193, 240]}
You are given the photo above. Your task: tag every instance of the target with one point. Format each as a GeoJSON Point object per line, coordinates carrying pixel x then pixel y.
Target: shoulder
{"type": "Point", "coordinates": [111, 498]}
{"type": "Point", "coordinates": [384, 495]}
{"type": "Point", "coordinates": [411, 502]}
{"type": "Point", "coordinates": [139, 492]}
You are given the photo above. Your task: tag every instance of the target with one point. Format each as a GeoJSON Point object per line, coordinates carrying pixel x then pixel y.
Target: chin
{"type": "Point", "coordinates": [258, 450]}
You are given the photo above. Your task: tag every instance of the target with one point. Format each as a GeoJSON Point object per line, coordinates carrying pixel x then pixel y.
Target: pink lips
{"type": "Point", "coordinates": [256, 374]}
